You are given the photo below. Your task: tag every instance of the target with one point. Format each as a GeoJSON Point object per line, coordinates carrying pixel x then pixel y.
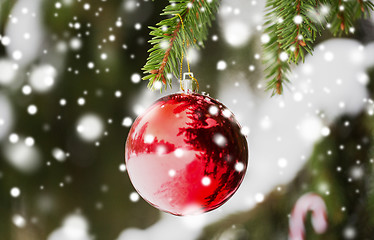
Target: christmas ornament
{"type": "Point", "coordinates": [186, 155]}
{"type": "Point", "coordinates": [308, 202]}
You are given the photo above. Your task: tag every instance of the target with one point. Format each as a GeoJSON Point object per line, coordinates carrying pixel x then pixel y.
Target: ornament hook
{"type": "Point", "coordinates": [189, 83]}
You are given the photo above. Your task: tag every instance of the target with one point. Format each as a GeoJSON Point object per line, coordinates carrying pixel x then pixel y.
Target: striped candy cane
{"type": "Point", "coordinates": [308, 202]}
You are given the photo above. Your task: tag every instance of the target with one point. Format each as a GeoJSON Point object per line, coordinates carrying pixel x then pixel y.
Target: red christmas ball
{"type": "Point", "coordinates": [186, 155]}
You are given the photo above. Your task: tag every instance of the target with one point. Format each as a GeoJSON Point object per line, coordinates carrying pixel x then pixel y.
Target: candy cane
{"type": "Point", "coordinates": [308, 202]}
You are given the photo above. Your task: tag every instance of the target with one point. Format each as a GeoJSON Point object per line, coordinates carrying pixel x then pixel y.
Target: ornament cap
{"type": "Point", "coordinates": [189, 83]}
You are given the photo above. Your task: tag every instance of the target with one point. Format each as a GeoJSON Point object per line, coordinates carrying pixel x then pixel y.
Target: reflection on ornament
{"type": "Point", "coordinates": [184, 158]}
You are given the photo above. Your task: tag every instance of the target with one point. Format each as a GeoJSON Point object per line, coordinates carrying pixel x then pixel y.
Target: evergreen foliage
{"type": "Point", "coordinates": [292, 27]}
{"type": "Point", "coordinates": [186, 27]}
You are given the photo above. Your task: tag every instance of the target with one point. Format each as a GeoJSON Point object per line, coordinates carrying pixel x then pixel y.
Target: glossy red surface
{"type": "Point", "coordinates": [185, 155]}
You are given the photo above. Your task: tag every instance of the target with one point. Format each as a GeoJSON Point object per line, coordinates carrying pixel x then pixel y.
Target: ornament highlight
{"type": "Point", "coordinates": [185, 154]}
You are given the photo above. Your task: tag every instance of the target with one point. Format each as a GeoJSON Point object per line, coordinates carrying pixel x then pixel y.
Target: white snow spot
{"type": "Point", "coordinates": [127, 121]}
{"type": "Point", "coordinates": [81, 101]}
{"type": "Point", "coordinates": [149, 138]}
{"type": "Point", "coordinates": [90, 65]}
{"type": "Point", "coordinates": [206, 181]}
{"type": "Point", "coordinates": [5, 41]}
{"type": "Point", "coordinates": [86, 6]}
{"type": "Point", "coordinates": [193, 55]}
{"type": "Point", "coordinates": [265, 38]}
{"type": "Point", "coordinates": [104, 56]}
{"type": "Point", "coordinates": [219, 139]}
{"type": "Point", "coordinates": [356, 172]}
{"type": "Point", "coordinates": [130, 5]}
{"type": "Point", "coordinates": [325, 131]}
{"type": "Point", "coordinates": [172, 172]}
{"type": "Point", "coordinates": [17, 55]}
{"type": "Point", "coordinates": [298, 19]}
{"type": "Point", "coordinates": [179, 152]}
{"type": "Point", "coordinates": [282, 162]}
{"type": "Point", "coordinates": [13, 138]}
{"type": "Point", "coordinates": [118, 94]}
{"type": "Point", "coordinates": [245, 130]}
{"type": "Point", "coordinates": [138, 109]}
{"type": "Point", "coordinates": [15, 192]}
{"type": "Point", "coordinates": [122, 167]}
{"type": "Point", "coordinates": [27, 90]}
{"type": "Point", "coordinates": [29, 141]}
{"type": "Point", "coordinates": [62, 102]}
{"type": "Point", "coordinates": [310, 129]}
{"type": "Point", "coordinates": [236, 33]}
{"type": "Point", "coordinates": [161, 149]}
{"type": "Point", "coordinates": [134, 197]}
{"type": "Point", "coordinates": [138, 26]}
{"type": "Point", "coordinates": [259, 197]}
{"type": "Point", "coordinates": [324, 9]}
{"type": "Point", "coordinates": [32, 109]}
{"type": "Point", "coordinates": [157, 85]}
{"type": "Point", "coordinates": [329, 56]}
{"type": "Point", "coordinates": [298, 96]}
{"type": "Point", "coordinates": [75, 44]}
{"type": "Point", "coordinates": [19, 221]}
{"type": "Point", "coordinates": [135, 78]}
{"type": "Point", "coordinates": [349, 233]}
{"type": "Point", "coordinates": [221, 65]}
{"type": "Point", "coordinates": [239, 166]}
{"type": "Point", "coordinates": [59, 154]}
{"type": "Point", "coordinates": [42, 78]}
{"type": "Point", "coordinates": [213, 110]}
{"type": "Point", "coordinates": [266, 123]}
{"type": "Point", "coordinates": [90, 127]}
{"type": "Point", "coordinates": [24, 158]}
{"type": "Point", "coordinates": [226, 113]}
{"type": "Point", "coordinates": [164, 44]}
{"type": "Point", "coordinates": [283, 56]}
{"type": "Point", "coordinates": [363, 78]}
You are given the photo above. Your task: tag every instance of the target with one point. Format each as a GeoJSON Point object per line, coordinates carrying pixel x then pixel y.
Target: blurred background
{"type": "Point", "coordinates": [70, 88]}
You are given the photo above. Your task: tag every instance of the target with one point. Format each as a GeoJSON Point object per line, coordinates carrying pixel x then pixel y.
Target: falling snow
{"type": "Point", "coordinates": [71, 87]}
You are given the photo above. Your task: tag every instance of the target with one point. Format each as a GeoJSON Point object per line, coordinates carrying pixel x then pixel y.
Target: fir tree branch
{"type": "Point", "coordinates": [292, 31]}
{"type": "Point", "coordinates": [295, 28]}
{"type": "Point", "coordinates": [345, 13]}
{"type": "Point", "coordinates": [290, 24]}
{"type": "Point", "coordinates": [188, 24]}
{"type": "Point", "coordinates": [276, 67]}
